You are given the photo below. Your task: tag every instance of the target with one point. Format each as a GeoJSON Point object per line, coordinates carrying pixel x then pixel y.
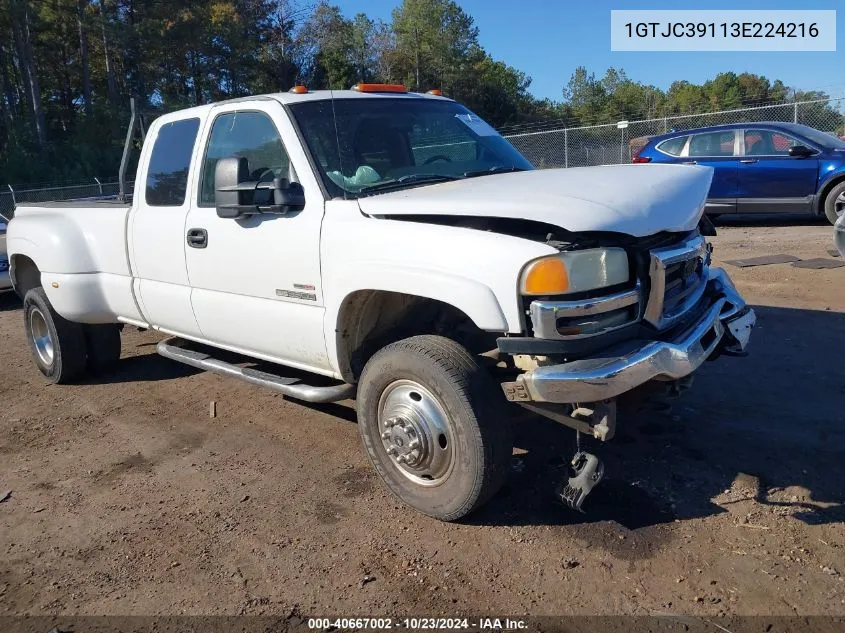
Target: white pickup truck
{"type": "Point", "coordinates": [397, 248]}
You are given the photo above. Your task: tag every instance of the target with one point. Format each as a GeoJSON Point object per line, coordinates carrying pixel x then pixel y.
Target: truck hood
{"type": "Point", "coordinates": [637, 200]}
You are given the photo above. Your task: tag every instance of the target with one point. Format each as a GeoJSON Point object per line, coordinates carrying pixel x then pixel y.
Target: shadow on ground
{"type": "Point", "coordinates": [152, 367]}
{"type": "Point", "coordinates": [776, 417]}
{"type": "Point", "coordinates": [9, 301]}
{"type": "Point", "coordinates": [144, 368]}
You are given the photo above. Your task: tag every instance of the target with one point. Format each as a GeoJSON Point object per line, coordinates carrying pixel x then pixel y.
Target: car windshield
{"type": "Point", "coordinates": [384, 144]}
{"type": "Point", "coordinates": [818, 137]}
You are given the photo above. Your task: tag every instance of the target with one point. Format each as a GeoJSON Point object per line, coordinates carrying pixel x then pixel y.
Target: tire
{"type": "Point", "coordinates": [430, 389]}
{"type": "Point", "coordinates": [103, 346]}
{"type": "Point", "coordinates": [58, 345]}
{"type": "Point", "coordinates": [833, 206]}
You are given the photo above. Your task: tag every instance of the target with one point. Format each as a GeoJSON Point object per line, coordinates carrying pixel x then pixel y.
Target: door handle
{"type": "Point", "coordinates": [197, 238]}
{"type": "Point", "coordinates": [690, 162]}
{"type": "Point", "coordinates": [748, 161]}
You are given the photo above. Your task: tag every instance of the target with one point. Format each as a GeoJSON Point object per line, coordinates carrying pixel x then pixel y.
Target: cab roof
{"type": "Point", "coordinates": [323, 95]}
{"type": "Point", "coordinates": [286, 98]}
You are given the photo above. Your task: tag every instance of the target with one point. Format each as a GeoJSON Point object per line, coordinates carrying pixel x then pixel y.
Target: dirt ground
{"type": "Point", "coordinates": [127, 498]}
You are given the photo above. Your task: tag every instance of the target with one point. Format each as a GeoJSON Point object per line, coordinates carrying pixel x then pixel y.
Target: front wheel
{"type": "Point", "coordinates": [434, 426]}
{"type": "Point", "coordinates": [58, 345]}
{"type": "Point", "coordinates": [834, 203]}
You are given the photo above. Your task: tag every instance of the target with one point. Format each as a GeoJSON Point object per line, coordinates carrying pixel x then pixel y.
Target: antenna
{"type": "Point", "coordinates": [133, 119]}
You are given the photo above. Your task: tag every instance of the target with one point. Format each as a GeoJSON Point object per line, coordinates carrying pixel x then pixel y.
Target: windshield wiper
{"type": "Point", "coordinates": [407, 180]}
{"type": "Point", "coordinates": [495, 169]}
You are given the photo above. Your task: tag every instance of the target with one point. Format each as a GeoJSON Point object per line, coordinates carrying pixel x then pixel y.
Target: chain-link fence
{"type": "Point", "coordinates": [13, 195]}
{"type": "Point", "coordinates": [549, 145]}
{"type": "Point", "coordinates": [545, 144]}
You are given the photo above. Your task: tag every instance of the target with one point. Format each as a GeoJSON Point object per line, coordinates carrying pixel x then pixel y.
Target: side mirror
{"type": "Point", "coordinates": [228, 174]}
{"type": "Point", "coordinates": [801, 151]}
{"type": "Point", "coordinates": [236, 196]}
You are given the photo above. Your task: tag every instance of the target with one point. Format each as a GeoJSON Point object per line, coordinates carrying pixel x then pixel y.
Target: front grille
{"type": "Point", "coordinates": [678, 277]}
{"type": "Point", "coordinates": [682, 280]}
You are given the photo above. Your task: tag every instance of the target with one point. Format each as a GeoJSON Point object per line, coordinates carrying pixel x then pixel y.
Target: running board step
{"type": "Point", "coordinates": [174, 349]}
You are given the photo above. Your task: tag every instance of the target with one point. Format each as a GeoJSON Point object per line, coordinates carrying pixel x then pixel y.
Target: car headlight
{"type": "Point", "coordinates": [575, 271]}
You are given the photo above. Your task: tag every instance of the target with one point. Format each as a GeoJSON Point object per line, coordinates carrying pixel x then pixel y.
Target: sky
{"type": "Point", "coordinates": [548, 39]}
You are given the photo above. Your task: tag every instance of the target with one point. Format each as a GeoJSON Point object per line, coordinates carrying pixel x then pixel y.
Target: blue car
{"type": "Point", "coordinates": [765, 167]}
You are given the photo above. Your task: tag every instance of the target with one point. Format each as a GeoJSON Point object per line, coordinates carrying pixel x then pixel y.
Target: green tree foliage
{"type": "Point", "coordinates": [69, 67]}
{"type": "Point", "coordinates": [590, 100]}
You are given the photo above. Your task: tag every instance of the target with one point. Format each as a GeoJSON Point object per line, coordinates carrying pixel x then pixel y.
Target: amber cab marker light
{"type": "Point", "coordinates": [379, 88]}
{"type": "Point", "coordinates": [298, 90]}
{"type": "Point", "coordinates": [436, 92]}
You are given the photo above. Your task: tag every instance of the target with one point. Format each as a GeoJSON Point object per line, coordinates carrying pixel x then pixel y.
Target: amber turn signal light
{"type": "Point", "coordinates": [545, 277]}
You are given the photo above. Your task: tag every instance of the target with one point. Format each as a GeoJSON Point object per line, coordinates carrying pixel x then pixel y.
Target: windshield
{"type": "Point", "coordinates": [386, 144]}
{"type": "Point", "coordinates": [818, 137]}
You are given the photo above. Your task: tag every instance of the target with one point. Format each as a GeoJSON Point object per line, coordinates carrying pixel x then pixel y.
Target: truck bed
{"type": "Point", "coordinates": [82, 236]}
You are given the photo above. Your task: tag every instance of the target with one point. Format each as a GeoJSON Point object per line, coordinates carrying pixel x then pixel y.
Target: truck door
{"type": "Point", "coordinates": [255, 280]}
{"type": "Point", "coordinates": [157, 228]}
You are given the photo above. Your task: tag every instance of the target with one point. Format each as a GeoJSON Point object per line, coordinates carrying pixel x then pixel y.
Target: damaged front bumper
{"type": "Point", "coordinates": [724, 325]}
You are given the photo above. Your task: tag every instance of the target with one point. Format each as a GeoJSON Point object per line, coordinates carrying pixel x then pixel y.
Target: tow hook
{"type": "Point", "coordinates": [596, 419]}
{"type": "Point", "coordinates": [588, 472]}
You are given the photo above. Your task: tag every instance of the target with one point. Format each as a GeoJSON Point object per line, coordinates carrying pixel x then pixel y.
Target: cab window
{"type": "Point", "coordinates": [243, 134]}
{"type": "Point", "coordinates": [170, 161]}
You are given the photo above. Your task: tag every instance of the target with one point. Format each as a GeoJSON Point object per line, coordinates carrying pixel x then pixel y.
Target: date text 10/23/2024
{"type": "Point", "coordinates": [710, 30]}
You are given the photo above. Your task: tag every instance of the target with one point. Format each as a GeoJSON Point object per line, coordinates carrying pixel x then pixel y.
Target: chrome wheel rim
{"type": "Point", "coordinates": [416, 433]}
{"type": "Point", "coordinates": [839, 205]}
{"type": "Point", "coordinates": [41, 338]}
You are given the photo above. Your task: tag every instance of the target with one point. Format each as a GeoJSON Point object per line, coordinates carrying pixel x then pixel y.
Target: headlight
{"type": "Point", "coordinates": [575, 271]}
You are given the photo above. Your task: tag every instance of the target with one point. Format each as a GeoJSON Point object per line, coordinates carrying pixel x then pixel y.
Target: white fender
{"type": "Point", "coordinates": [476, 272]}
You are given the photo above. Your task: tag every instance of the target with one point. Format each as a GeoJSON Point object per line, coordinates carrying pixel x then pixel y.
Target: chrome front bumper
{"type": "Point", "coordinates": [600, 378]}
